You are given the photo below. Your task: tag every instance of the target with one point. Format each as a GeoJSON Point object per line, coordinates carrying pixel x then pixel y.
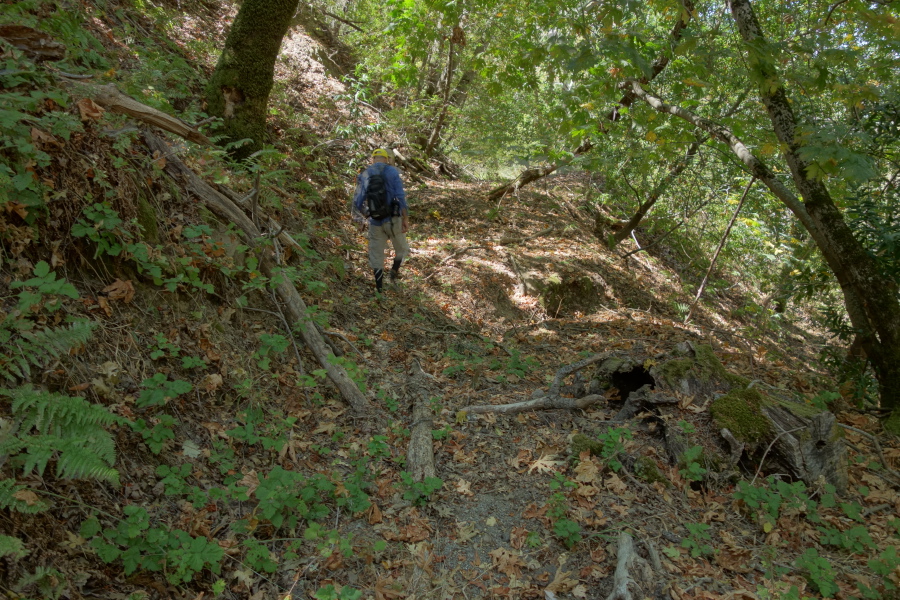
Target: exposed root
{"type": "Point", "coordinates": [631, 571]}
{"type": "Point", "coordinates": [552, 399]}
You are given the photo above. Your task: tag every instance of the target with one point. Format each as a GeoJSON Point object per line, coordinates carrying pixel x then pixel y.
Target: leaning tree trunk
{"type": "Point", "coordinates": [655, 195]}
{"type": "Point", "coordinates": [870, 298]}
{"type": "Point", "coordinates": [239, 88]}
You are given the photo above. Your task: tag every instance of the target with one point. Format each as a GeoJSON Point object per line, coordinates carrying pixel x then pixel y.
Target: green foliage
{"type": "Point", "coordinates": [48, 582]}
{"type": "Point", "coordinates": [11, 546]}
{"type": "Point", "coordinates": [568, 531]}
{"type": "Point", "coordinates": [419, 492]}
{"type": "Point", "coordinates": [698, 540]}
{"type": "Point", "coordinates": [856, 539]}
{"type": "Point", "coordinates": [103, 226]}
{"type": "Point", "coordinates": [140, 546]}
{"type": "Point", "coordinates": [284, 497]}
{"type": "Point", "coordinates": [612, 445]}
{"type": "Point", "coordinates": [885, 566]}
{"type": "Point", "coordinates": [692, 470]}
{"type": "Point", "coordinates": [156, 437]}
{"type": "Point", "coordinates": [818, 571]}
{"type": "Point", "coordinates": [269, 346]}
{"type": "Point", "coordinates": [768, 502]}
{"type": "Point", "coordinates": [19, 498]}
{"type": "Point", "coordinates": [24, 343]}
{"type": "Point", "coordinates": [329, 593]}
{"type": "Point", "coordinates": [159, 389]}
{"type": "Point", "coordinates": [328, 541]}
{"type": "Point", "coordinates": [69, 430]}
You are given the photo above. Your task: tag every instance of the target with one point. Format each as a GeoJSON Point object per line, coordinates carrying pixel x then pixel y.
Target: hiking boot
{"type": "Point", "coordinates": [395, 276]}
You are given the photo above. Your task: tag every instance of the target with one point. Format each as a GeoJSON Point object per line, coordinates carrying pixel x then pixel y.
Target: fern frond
{"type": "Point", "coordinates": [19, 498]}
{"type": "Point", "coordinates": [71, 430]}
{"type": "Point", "coordinates": [42, 410]}
{"type": "Point", "coordinates": [25, 349]}
{"type": "Point", "coordinates": [12, 546]}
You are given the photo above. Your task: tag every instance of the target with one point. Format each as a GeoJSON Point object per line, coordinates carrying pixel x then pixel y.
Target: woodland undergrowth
{"type": "Point", "coordinates": [164, 433]}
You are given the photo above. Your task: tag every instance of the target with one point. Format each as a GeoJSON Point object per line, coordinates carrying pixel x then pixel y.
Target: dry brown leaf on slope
{"type": "Point", "coordinates": [90, 110]}
{"type": "Point", "coordinates": [250, 480]}
{"type": "Point", "coordinates": [507, 562]}
{"type": "Point", "coordinates": [615, 485]}
{"type": "Point", "coordinates": [385, 590]}
{"type": "Point", "coordinates": [562, 582]}
{"type": "Point", "coordinates": [120, 290]}
{"type": "Point", "coordinates": [586, 471]}
{"type": "Point", "coordinates": [464, 487]}
{"type": "Point", "coordinates": [545, 464]}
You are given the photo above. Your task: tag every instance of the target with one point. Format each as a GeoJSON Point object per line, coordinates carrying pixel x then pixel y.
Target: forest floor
{"type": "Point", "coordinates": [495, 299]}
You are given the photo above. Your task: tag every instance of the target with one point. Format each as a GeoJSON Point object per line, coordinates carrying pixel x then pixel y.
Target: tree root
{"type": "Point", "coordinates": [552, 398]}
{"type": "Point", "coordinates": [631, 571]}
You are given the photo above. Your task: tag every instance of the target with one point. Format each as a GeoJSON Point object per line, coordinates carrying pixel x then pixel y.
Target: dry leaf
{"type": "Point", "coordinates": [250, 480]}
{"type": "Point", "coordinates": [586, 472]}
{"type": "Point", "coordinates": [615, 485]}
{"type": "Point", "coordinates": [89, 110]}
{"type": "Point", "coordinates": [27, 496]}
{"type": "Point", "coordinates": [212, 382]}
{"type": "Point", "coordinates": [562, 582]}
{"type": "Point", "coordinates": [327, 428]}
{"type": "Point", "coordinates": [507, 562]}
{"type": "Point", "coordinates": [43, 139]}
{"type": "Point", "coordinates": [517, 537]}
{"type": "Point", "coordinates": [544, 464]}
{"type": "Point", "coordinates": [464, 487]}
{"type": "Point", "coordinates": [374, 514]}
{"type": "Point", "coordinates": [120, 290]}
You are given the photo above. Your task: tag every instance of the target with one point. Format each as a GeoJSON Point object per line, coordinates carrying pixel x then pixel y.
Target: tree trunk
{"type": "Point", "coordinates": [871, 299]}
{"type": "Point", "coordinates": [655, 195]}
{"type": "Point", "coordinates": [239, 88]}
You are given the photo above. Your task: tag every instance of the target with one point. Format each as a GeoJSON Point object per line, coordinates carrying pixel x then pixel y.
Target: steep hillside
{"type": "Point", "coordinates": [165, 431]}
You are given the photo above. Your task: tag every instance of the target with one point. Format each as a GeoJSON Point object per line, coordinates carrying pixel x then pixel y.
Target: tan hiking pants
{"type": "Point", "coordinates": [378, 238]}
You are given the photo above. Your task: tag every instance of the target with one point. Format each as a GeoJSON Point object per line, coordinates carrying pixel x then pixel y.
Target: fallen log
{"type": "Point", "coordinates": [807, 440]}
{"type": "Point", "coordinates": [293, 302]}
{"type": "Point", "coordinates": [115, 101]}
{"type": "Point", "coordinates": [420, 453]}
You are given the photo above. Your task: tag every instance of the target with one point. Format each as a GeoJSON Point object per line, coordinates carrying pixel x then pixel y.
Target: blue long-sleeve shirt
{"type": "Point", "coordinates": [392, 184]}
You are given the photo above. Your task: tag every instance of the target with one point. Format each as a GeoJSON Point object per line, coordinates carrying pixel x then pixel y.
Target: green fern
{"type": "Point", "coordinates": [24, 348]}
{"type": "Point", "coordinates": [12, 546]}
{"type": "Point", "coordinates": [71, 430]}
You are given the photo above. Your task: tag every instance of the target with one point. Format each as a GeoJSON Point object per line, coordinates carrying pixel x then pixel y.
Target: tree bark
{"type": "Point", "coordinates": [676, 170]}
{"type": "Point", "coordinates": [420, 453]}
{"type": "Point", "coordinates": [871, 299]}
{"type": "Point", "coordinates": [238, 90]}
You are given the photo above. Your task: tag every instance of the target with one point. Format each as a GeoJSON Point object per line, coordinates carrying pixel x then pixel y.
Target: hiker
{"type": "Point", "coordinates": [380, 198]}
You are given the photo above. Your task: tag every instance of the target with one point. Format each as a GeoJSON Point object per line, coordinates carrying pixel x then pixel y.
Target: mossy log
{"type": "Point", "coordinates": [807, 440]}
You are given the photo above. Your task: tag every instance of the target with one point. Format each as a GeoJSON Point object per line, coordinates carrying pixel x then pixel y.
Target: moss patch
{"type": "Point", "coordinates": [645, 468]}
{"type": "Point", "coordinates": [581, 442]}
{"type": "Point", "coordinates": [704, 366]}
{"type": "Point", "coordinates": [146, 218]}
{"type": "Point", "coordinates": [740, 410]}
